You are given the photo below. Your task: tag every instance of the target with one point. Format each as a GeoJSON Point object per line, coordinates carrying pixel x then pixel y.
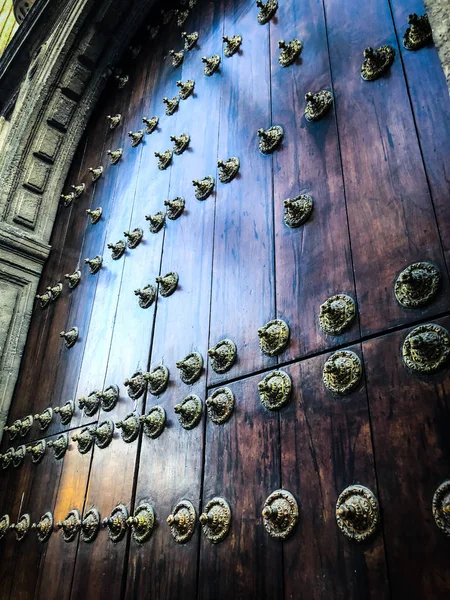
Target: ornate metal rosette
{"type": "Point", "coordinates": [342, 372]}
{"type": "Point", "coordinates": [7, 458]}
{"type": "Point", "coordinates": [186, 88]}
{"type": "Point", "coordinates": [66, 412]}
{"type": "Point", "coordinates": [216, 520]}
{"type": "Point", "coordinates": [273, 337]}
{"type": "Point", "coordinates": [270, 139]}
{"type": "Point", "coordinates": [95, 214]}
{"type": "Point", "coordinates": [90, 403]}
{"type": "Point", "coordinates": [90, 525]}
{"type": "Point", "coordinates": [73, 278]}
{"type": "Point", "coordinates": [167, 284]}
{"type": "Point", "coordinates": [117, 249]}
{"type": "Point", "coordinates": [13, 430]}
{"type": "Point", "coordinates": [232, 45]}
{"type": "Point", "coordinates": [96, 173]}
{"type": "Point", "coordinates": [103, 433]}
{"type": "Point", "coordinates": [203, 188]}
{"type": "Point", "coordinates": [156, 221]}
{"type": "Point", "coordinates": [376, 62]}
{"type": "Point", "coordinates": [171, 106]}
{"type": "Point", "coordinates": [228, 169]}
{"type": "Point", "coordinates": [134, 237]}
{"type": "Point", "coordinates": [109, 398]}
{"type": "Point", "coordinates": [25, 425]}
{"type": "Point", "coordinates": [154, 421]}
{"type": "Point", "coordinates": [222, 356]}
{"type": "Point", "coordinates": [280, 514]}
{"type": "Point", "coordinates": [189, 411]}
{"type": "Point", "coordinates": [426, 348]}
{"type": "Point", "coordinates": [70, 526]}
{"type": "Point", "coordinates": [85, 440]}
{"type": "Point", "coordinates": [45, 418]}
{"type": "Point", "coordinates": [289, 52]}
{"type": "Point", "coordinates": [182, 521]}
{"type": "Point", "coordinates": [190, 367]}
{"type": "Point", "coordinates": [417, 285]}
{"type": "Point", "coordinates": [37, 451]}
{"type": "Point", "coordinates": [142, 522]}
{"type": "Point", "coordinates": [190, 39]}
{"type": "Point", "coordinates": [266, 10]}
{"type": "Point", "coordinates": [317, 105]}
{"type": "Point", "coordinates": [150, 124]}
{"type": "Point", "coordinates": [182, 15]}
{"type": "Point", "coordinates": [164, 159]}
{"type": "Point", "coordinates": [211, 64]}
{"type": "Point", "coordinates": [357, 513]}
{"type": "Point", "coordinates": [44, 527]}
{"type": "Point", "coordinates": [114, 120]}
{"type": "Point", "coordinates": [180, 143]}
{"type": "Point", "coordinates": [4, 525]}
{"type": "Point", "coordinates": [21, 527]}
{"type": "Point", "coordinates": [441, 507]}
{"type": "Point", "coordinates": [129, 427]}
{"type": "Point", "coordinates": [59, 445]}
{"type": "Point", "coordinates": [157, 380]}
{"type": "Point", "coordinates": [175, 207]}
{"type": "Point", "coordinates": [146, 296]}
{"type": "Point", "coordinates": [135, 385]}
{"type": "Point", "coordinates": [275, 390]}
{"type": "Point", "coordinates": [136, 137]}
{"type": "Point", "coordinates": [95, 264]}
{"type": "Point", "coordinates": [220, 405]}
{"type": "Point", "coordinates": [115, 155]}
{"type": "Point", "coordinates": [18, 456]}
{"type": "Point", "coordinates": [336, 314]}
{"type": "Point", "coordinates": [418, 33]}
{"type": "Point", "coordinates": [117, 523]}
{"type": "Point", "coordinates": [297, 210]}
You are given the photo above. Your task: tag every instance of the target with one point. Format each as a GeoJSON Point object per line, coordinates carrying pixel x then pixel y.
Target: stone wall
{"type": "Point", "coordinates": [439, 17]}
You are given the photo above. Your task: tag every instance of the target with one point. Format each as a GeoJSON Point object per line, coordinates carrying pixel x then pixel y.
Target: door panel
{"type": "Point", "coordinates": [410, 419]}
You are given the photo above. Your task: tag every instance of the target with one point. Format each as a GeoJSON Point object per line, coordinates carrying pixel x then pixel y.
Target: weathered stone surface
{"type": "Point", "coordinates": [75, 79]}
{"type": "Point", "coordinates": [28, 206]}
{"type": "Point", "coordinates": [48, 142]}
{"type": "Point", "coordinates": [439, 16]}
{"type": "Point", "coordinates": [61, 111]}
{"type": "Point", "coordinates": [37, 174]}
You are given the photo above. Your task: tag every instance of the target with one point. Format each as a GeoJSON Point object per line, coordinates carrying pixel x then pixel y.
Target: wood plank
{"type": "Point", "coordinates": [410, 420]}
{"type": "Point", "coordinates": [326, 446]}
{"type": "Point", "coordinates": [243, 277]}
{"type": "Point", "coordinates": [390, 213]}
{"type": "Point", "coordinates": [313, 262]}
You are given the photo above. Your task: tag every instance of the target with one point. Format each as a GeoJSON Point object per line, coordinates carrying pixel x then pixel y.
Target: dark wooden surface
{"type": "Point", "coordinates": [376, 167]}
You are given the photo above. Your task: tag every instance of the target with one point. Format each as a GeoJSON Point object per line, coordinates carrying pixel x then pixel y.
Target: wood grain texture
{"type": "Point", "coordinates": [391, 216]}
{"type": "Point", "coordinates": [314, 261]}
{"type": "Point", "coordinates": [410, 419]}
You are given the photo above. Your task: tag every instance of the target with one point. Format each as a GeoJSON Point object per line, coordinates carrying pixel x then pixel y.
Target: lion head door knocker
{"type": "Point", "coordinates": [150, 124]}
{"type": "Point", "coordinates": [146, 295]}
{"type": "Point", "coordinates": [68, 198]}
{"type": "Point", "coordinates": [73, 279]}
{"type": "Point", "coordinates": [135, 385]}
{"type": "Point", "coordinates": [266, 10]}
{"type": "Point", "coordinates": [70, 526]}
{"type": "Point", "coordinates": [376, 62]}
{"type": "Point", "coordinates": [95, 214]}
{"type": "Point", "coordinates": [342, 372]}
{"type": "Point", "coordinates": [189, 411]}
{"type": "Point", "coordinates": [223, 356]}
{"type": "Point", "coordinates": [417, 285]}
{"type": "Point", "coordinates": [357, 513]}
{"type": "Point", "coordinates": [59, 445]}
{"type": "Point", "coordinates": [190, 39]}
{"type": "Point", "coordinates": [19, 456]}
{"type": "Point", "coordinates": [175, 208]}
{"type": "Point", "coordinates": [136, 137]}
{"type": "Point", "coordinates": [37, 451]}
{"type": "Point", "coordinates": [275, 390]}
{"type": "Point", "coordinates": [129, 426]}
{"type": "Point", "coordinates": [167, 284]}
{"type": "Point", "coordinates": [182, 521]}
{"type": "Point", "coordinates": [180, 143]}
{"type": "Point", "coordinates": [426, 348]}
{"type": "Point", "coordinates": [115, 155]}
{"type": "Point", "coordinates": [317, 104]}
{"type": "Point", "coordinates": [156, 221]}
{"type": "Point", "coordinates": [418, 33]}
{"type": "Point", "coordinates": [164, 159]}
{"type": "Point", "coordinates": [4, 525]}
{"type": "Point", "coordinates": [216, 520]}
{"type": "Point", "coordinates": [203, 188]}
{"type": "Point", "coordinates": [65, 412]}
{"type": "Point", "coordinates": [103, 433]}
{"type": "Point", "coordinates": [84, 439]}
{"type": "Point", "coordinates": [95, 264]}
{"type": "Point", "coordinates": [289, 52]}
{"type": "Point", "coordinates": [21, 527]}
{"type": "Point", "coordinates": [96, 173]}
{"type": "Point", "coordinates": [7, 458]}
{"type": "Point", "coordinates": [117, 523]}
{"type": "Point", "coordinates": [114, 121]}
{"type": "Point", "coordinates": [297, 210]}
{"type": "Point", "coordinates": [280, 514]}
{"type": "Point", "coordinates": [117, 249]}
{"type": "Point", "coordinates": [44, 527]}
{"type": "Point", "coordinates": [220, 405]}
{"type": "Point", "coordinates": [228, 169]}
{"type": "Point", "coordinates": [232, 45]}
{"type": "Point", "coordinates": [190, 367]}
{"type": "Point", "coordinates": [186, 88]}
{"type": "Point", "coordinates": [273, 337]}
{"type": "Point", "coordinates": [441, 507]}
{"type": "Point", "coordinates": [157, 380]}
{"type": "Point", "coordinates": [211, 64]}
{"type": "Point", "coordinates": [122, 81]}
{"type": "Point", "coordinates": [134, 237]}
{"type": "Point", "coordinates": [109, 397]}
{"type": "Point", "coordinates": [154, 422]}
{"type": "Point", "coordinates": [90, 403]}
{"type": "Point", "coordinates": [45, 418]}
{"type": "Point", "coordinates": [171, 105]}
{"type": "Point", "coordinates": [270, 139]}
{"type": "Point", "coordinates": [336, 314]}
{"type": "Point", "coordinates": [90, 525]}
{"type": "Point", "coordinates": [142, 522]}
